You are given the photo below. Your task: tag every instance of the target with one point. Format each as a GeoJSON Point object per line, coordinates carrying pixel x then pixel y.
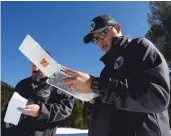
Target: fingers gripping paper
{"type": "Point", "coordinates": [13, 114]}
{"type": "Point", "coordinates": [34, 52]}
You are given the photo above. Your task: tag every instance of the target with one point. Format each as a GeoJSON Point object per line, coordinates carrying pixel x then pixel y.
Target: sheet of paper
{"type": "Point", "coordinates": [13, 114]}
{"type": "Point", "coordinates": [54, 80]}
{"type": "Point", "coordinates": [35, 53]}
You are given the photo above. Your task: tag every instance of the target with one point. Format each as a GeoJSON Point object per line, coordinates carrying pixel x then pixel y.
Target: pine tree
{"type": "Point", "coordinates": [159, 19]}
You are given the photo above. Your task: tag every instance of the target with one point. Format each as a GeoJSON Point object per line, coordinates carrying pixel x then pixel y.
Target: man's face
{"type": "Point", "coordinates": [104, 39]}
{"type": "Point", "coordinates": [36, 73]}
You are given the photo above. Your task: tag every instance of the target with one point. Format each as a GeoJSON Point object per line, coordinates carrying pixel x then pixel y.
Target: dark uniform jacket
{"type": "Point", "coordinates": [55, 105]}
{"type": "Point", "coordinates": [134, 91]}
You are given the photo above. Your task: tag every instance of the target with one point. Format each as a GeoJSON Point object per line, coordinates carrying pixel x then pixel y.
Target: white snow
{"type": "Point", "coordinates": [69, 131]}
{"type": "Point", "coordinates": [72, 132]}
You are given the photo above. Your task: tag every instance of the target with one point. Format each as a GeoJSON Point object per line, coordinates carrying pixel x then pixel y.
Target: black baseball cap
{"type": "Point", "coordinates": [99, 24]}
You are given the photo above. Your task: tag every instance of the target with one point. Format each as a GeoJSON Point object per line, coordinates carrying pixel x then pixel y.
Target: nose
{"type": "Point", "coordinates": [36, 68]}
{"type": "Point", "coordinates": [101, 43]}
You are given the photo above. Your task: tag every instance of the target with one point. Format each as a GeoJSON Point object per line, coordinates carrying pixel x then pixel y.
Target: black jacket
{"type": "Point", "coordinates": [55, 105]}
{"type": "Point", "coordinates": [134, 90]}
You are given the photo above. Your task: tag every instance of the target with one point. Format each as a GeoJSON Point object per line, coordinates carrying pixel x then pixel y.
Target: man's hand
{"type": "Point", "coordinates": [81, 82]}
{"type": "Point", "coordinates": [31, 110]}
{"type": "Point", "coordinates": [92, 101]}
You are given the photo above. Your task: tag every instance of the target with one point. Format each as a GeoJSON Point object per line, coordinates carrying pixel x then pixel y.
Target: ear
{"type": "Point", "coordinates": [118, 28]}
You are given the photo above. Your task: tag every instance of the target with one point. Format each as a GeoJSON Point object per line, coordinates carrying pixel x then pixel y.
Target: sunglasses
{"type": "Point", "coordinates": [101, 35]}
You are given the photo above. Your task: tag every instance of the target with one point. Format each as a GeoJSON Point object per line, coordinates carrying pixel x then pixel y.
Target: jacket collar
{"type": "Point", "coordinates": [117, 43]}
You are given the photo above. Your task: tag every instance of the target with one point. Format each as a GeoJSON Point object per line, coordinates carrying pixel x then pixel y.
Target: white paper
{"type": "Point", "coordinates": [13, 114]}
{"type": "Point", "coordinates": [54, 80]}
{"type": "Point", "coordinates": [35, 53]}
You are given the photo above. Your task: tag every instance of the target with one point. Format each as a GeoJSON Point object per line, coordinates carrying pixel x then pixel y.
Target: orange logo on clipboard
{"type": "Point", "coordinates": [44, 62]}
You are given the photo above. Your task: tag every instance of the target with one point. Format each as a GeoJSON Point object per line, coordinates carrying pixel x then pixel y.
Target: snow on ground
{"type": "Point", "coordinates": [71, 132]}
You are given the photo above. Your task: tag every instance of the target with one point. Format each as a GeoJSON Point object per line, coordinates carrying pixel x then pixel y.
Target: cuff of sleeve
{"type": "Point", "coordinates": [95, 85]}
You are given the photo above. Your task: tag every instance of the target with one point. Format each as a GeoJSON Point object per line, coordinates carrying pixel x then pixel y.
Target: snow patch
{"type": "Point", "coordinates": [71, 131]}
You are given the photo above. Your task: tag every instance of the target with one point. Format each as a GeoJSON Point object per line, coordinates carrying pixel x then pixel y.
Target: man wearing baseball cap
{"type": "Point", "coordinates": [133, 87]}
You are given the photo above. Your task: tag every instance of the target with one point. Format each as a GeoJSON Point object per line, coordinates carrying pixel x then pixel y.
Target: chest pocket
{"type": "Point", "coordinates": [115, 70]}
{"type": "Point", "coordinates": [118, 69]}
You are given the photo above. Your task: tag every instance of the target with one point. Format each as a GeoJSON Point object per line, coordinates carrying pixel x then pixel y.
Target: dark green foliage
{"type": "Point", "coordinates": [159, 19]}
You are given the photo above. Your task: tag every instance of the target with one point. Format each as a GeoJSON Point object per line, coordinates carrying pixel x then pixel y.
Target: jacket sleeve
{"type": "Point", "coordinates": [146, 86]}
{"type": "Point", "coordinates": [58, 110]}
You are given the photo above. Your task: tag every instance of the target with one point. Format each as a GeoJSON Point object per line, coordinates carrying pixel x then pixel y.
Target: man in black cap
{"type": "Point", "coordinates": [133, 87]}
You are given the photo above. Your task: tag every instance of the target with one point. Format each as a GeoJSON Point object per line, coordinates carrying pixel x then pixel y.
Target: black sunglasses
{"type": "Point", "coordinates": [101, 35]}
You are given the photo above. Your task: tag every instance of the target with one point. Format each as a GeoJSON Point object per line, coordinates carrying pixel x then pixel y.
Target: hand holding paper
{"type": "Point", "coordinates": [13, 114]}
{"type": "Point", "coordinates": [81, 81]}
{"type": "Point", "coordinates": [31, 110]}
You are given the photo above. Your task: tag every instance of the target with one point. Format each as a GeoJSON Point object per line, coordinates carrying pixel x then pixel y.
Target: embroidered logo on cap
{"type": "Point", "coordinates": [119, 62]}
{"type": "Point", "coordinates": [92, 26]}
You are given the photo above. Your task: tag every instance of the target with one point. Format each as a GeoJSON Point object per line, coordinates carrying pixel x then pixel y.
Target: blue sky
{"type": "Point", "coordinates": [59, 27]}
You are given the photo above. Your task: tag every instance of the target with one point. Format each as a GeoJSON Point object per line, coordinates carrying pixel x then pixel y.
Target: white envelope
{"type": "Point", "coordinates": [13, 114]}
